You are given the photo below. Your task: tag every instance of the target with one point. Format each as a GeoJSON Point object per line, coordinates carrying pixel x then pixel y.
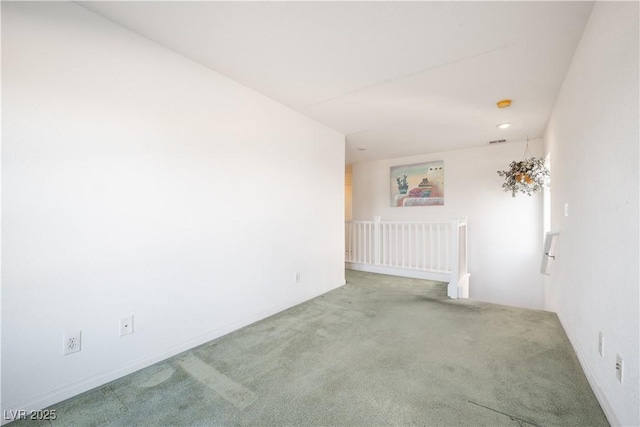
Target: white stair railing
{"type": "Point", "coordinates": [427, 249]}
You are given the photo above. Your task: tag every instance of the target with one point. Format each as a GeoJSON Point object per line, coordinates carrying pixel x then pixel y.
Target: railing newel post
{"type": "Point", "coordinates": [452, 288]}
{"type": "Point", "coordinates": [376, 239]}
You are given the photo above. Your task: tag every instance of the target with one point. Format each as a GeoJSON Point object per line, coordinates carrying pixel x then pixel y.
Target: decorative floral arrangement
{"type": "Point", "coordinates": [403, 185]}
{"type": "Point", "coordinates": [527, 176]}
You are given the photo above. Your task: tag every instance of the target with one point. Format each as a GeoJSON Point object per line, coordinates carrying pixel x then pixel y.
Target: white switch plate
{"type": "Point", "coordinates": [126, 325]}
{"type": "Point", "coordinates": [566, 209]}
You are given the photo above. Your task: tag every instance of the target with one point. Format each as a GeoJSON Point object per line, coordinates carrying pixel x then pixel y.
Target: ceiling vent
{"type": "Point", "coordinates": [497, 141]}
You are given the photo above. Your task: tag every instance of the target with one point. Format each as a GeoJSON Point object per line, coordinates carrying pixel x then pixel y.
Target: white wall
{"type": "Point", "coordinates": [505, 233]}
{"type": "Point", "coordinates": [135, 181]}
{"type": "Point", "coordinates": [593, 139]}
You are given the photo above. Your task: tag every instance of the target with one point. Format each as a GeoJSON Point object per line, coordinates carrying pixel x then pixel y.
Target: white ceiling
{"type": "Point", "coordinates": [398, 78]}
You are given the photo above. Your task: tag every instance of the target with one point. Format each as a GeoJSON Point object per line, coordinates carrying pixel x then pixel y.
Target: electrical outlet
{"type": "Point", "coordinates": [601, 344]}
{"type": "Point", "coordinates": [71, 343]}
{"type": "Point", "coordinates": [298, 277]}
{"type": "Point", "coordinates": [126, 325]}
{"type": "Point", "coordinates": [619, 368]}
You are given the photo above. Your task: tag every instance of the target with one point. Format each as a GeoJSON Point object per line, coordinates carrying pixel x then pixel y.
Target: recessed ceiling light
{"type": "Point", "coordinates": [504, 103]}
{"type": "Point", "coordinates": [504, 125]}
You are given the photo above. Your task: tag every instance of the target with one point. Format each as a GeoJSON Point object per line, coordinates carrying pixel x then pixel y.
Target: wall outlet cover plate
{"type": "Point", "coordinates": [71, 343]}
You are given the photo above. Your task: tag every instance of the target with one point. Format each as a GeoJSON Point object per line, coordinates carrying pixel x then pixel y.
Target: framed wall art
{"type": "Point", "coordinates": [420, 184]}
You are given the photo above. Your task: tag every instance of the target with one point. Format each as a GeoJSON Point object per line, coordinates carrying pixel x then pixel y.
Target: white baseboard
{"type": "Point", "coordinates": [403, 272]}
{"type": "Point", "coordinates": [600, 396]}
{"type": "Point", "coordinates": [51, 398]}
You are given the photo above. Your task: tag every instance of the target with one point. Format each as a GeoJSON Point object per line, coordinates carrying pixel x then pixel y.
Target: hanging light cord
{"type": "Point", "coordinates": [527, 151]}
